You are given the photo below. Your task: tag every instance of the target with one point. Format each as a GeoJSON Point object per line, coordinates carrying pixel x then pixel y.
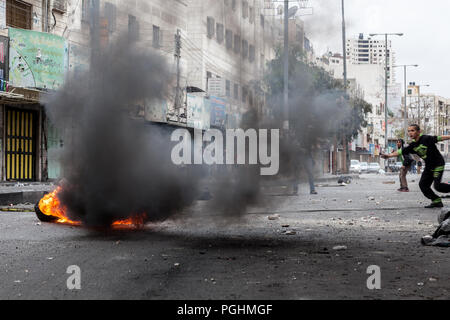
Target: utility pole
{"type": "Point", "coordinates": [344, 50]}
{"type": "Point", "coordinates": [405, 114]}
{"type": "Point", "coordinates": [286, 67]}
{"type": "Point", "coordinates": [386, 139]}
{"type": "Point", "coordinates": [178, 57]}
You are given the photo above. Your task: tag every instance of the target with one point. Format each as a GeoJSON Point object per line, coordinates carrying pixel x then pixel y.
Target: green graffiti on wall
{"type": "Point", "coordinates": [37, 59]}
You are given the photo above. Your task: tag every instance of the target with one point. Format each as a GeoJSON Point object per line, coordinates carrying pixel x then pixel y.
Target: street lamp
{"type": "Point", "coordinates": [386, 141]}
{"type": "Point", "coordinates": [405, 115]}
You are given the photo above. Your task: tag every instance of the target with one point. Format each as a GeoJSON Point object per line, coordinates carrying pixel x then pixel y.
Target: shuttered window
{"type": "Point", "coordinates": [18, 14]}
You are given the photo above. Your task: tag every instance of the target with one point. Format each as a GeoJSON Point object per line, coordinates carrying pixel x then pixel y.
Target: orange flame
{"type": "Point", "coordinates": [51, 206]}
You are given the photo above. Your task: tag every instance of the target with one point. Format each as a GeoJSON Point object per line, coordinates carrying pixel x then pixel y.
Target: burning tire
{"type": "Point", "coordinates": [41, 216]}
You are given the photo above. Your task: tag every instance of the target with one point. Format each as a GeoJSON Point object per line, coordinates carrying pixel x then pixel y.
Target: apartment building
{"type": "Point", "coordinates": [369, 50]}
{"type": "Point", "coordinates": [228, 44]}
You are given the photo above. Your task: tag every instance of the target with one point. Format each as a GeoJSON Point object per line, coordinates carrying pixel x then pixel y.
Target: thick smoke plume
{"type": "Point", "coordinates": [115, 166]}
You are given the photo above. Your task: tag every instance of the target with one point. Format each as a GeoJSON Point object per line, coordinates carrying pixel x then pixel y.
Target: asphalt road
{"type": "Point", "coordinates": [201, 255]}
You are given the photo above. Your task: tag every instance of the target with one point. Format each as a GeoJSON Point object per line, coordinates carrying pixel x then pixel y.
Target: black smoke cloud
{"type": "Point", "coordinates": [115, 166]}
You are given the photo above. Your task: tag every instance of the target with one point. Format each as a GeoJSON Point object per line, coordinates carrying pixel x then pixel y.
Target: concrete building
{"type": "Point", "coordinates": [366, 67]}
{"type": "Point", "coordinates": [363, 50]}
{"type": "Point", "coordinates": [228, 44]}
{"type": "Point", "coordinates": [33, 64]}
{"type": "Point", "coordinates": [431, 112]}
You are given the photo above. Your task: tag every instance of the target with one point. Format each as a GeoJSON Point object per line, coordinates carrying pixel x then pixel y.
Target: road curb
{"type": "Point", "coordinates": [14, 198]}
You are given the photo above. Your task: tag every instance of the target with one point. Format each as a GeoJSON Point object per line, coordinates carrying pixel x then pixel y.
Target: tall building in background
{"type": "Point", "coordinates": [366, 58]}
{"type": "Point", "coordinates": [363, 50]}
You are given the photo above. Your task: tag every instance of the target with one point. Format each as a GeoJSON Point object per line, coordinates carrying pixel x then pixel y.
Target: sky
{"type": "Point", "coordinates": [424, 24]}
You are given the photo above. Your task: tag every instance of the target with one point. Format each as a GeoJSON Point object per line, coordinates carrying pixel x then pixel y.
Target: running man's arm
{"type": "Point", "coordinates": [443, 138]}
{"type": "Point", "coordinates": [391, 155]}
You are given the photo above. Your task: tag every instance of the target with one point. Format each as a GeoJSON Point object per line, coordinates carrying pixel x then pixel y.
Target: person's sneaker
{"type": "Point", "coordinates": [435, 205]}
{"type": "Point", "coordinates": [313, 192]}
{"type": "Point", "coordinates": [404, 190]}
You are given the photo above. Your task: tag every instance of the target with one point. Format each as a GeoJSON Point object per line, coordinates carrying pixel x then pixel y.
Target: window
{"type": "Point", "coordinates": [236, 91]}
{"type": "Point", "coordinates": [228, 88]}
{"type": "Point", "coordinates": [18, 14]}
{"type": "Point", "coordinates": [229, 39]}
{"type": "Point", "coordinates": [251, 53]}
{"type": "Point", "coordinates": [237, 43]}
{"type": "Point", "coordinates": [244, 9]}
{"type": "Point", "coordinates": [244, 94]}
{"type": "Point", "coordinates": [156, 43]}
{"type": "Point", "coordinates": [233, 5]}
{"type": "Point", "coordinates": [251, 15]}
{"type": "Point", "coordinates": [210, 24]}
{"type": "Point", "coordinates": [110, 14]}
{"type": "Point", "coordinates": [262, 21]}
{"type": "Point", "coordinates": [220, 32]}
{"type": "Point", "coordinates": [85, 10]}
{"type": "Point", "coordinates": [133, 28]}
{"type": "Point", "coordinates": [244, 49]}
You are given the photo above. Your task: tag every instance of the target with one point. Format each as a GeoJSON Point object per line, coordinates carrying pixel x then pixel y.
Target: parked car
{"type": "Point", "coordinates": [447, 166]}
{"type": "Point", "coordinates": [355, 167]}
{"type": "Point", "coordinates": [364, 166]}
{"type": "Point", "coordinates": [398, 166]}
{"type": "Point", "coordinates": [374, 167]}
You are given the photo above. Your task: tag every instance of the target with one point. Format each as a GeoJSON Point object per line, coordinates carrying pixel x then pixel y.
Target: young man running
{"type": "Point", "coordinates": [425, 147]}
{"type": "Point", "coordinates": [406, 160]}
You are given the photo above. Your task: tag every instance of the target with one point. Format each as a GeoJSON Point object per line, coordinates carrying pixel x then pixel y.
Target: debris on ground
{"type": "Point", "coordinates": [345, 180]}
{"type": "Point", "coordinates": [289, 232]}
{"type": "Point", "coordinates": [371, 198]}
{"type": "Point", "coordinates": [340, 248]}
{"type": "Point", "coordinates": [274, 217]}
{"type": "Point", "coordinates": [441, 237]}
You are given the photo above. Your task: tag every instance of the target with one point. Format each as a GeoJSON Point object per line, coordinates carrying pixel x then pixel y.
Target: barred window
{"type": "Point", "coordinates": [18, 14]}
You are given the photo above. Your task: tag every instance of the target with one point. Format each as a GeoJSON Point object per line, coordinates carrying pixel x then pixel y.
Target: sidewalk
{"type": "Point", "coordinates": [23, 192]}
{"type": "Point", "coordinates": [13, 193]}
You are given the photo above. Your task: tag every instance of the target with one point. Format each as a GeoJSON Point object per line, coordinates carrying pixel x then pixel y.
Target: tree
{"type": "Point", "coordinates": [319, 108]}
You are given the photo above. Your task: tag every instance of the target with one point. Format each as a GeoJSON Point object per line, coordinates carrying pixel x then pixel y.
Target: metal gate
{"type": "Point", "coordinates": [20, 144]}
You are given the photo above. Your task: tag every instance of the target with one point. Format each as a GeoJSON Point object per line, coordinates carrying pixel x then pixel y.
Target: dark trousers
{"type": "Point", "coordinates": [428, 177]}
{"type": "Point", "coordinates": [308, 165]}
{"type": "Point", "coordinates": [403, 171]}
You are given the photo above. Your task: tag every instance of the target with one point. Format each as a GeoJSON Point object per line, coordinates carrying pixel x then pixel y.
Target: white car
{"type": "Point", "coordinates": [355, 167]}
{"type": "Point", "coordinates": [374, 167]}
{"type": "Point", "coordinates": [447, 166]}
{"type": "Point", "coordinates": [364, 166]}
